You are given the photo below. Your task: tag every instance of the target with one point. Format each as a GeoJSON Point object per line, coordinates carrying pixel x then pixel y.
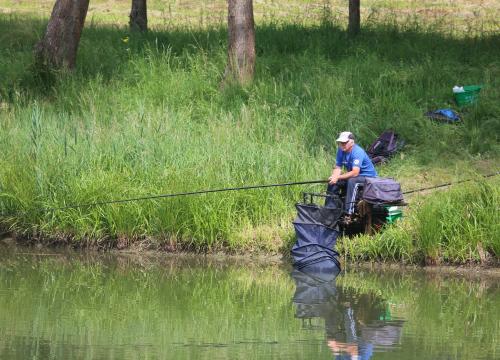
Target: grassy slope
{"type": "Point", "coordinates": [143, 114]}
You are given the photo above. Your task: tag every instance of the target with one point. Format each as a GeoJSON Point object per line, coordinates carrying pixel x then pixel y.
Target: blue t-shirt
{"type": "Point", "coordinates": [358, 158]}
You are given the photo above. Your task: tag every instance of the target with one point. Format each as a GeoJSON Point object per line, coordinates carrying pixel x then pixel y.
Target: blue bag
{"type": "Point", "coordinates": [444, 115]}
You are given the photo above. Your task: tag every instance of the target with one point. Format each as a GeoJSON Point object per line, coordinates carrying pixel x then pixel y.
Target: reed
{"type": "Point", "coordinates": [456, 226]}
{"type": "Point", "coordinates": [143, 114]}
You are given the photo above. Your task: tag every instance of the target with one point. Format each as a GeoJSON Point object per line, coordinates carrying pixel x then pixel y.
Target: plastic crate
{"type": "Point", "coordinates": [393, 213]}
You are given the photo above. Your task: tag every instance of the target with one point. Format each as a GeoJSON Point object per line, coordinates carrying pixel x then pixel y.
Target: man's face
{"type": "Point", "coordinates": [346, 146]}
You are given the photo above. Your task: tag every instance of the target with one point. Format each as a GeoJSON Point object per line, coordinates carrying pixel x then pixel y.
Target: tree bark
{"type": "Point", "coordinates": [58, 48]}
{"type": "Point", "coordinates": [354, 17]}
{"type": "Point", "coordinates": [241, 42]}
{"type": "Point", "coordinates": [138, 16]}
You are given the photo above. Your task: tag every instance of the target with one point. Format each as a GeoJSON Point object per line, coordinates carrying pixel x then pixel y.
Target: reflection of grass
{"type": "Point", "coordinates": [184, 311]}
{"type": "Point", "coordinates": [115, 308]}
{"type": "Point", "coordinates": [443, 308]}
{"type": "Point", "coordinates": [146, 116]}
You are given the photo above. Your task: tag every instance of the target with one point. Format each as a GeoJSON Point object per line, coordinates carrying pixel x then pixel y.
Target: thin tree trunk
{"type": "Point", "coordinates": [138, 16]}
{"type": "Point", "coordinates": [354, 17]}
{"type": "Point", "coordinates": [241, 42]}
{"type": "Point", "coordinates": [58, 48]}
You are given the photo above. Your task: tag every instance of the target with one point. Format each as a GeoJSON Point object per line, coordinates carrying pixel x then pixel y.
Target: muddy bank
{"type": "Point", "coordinates": [142, 255]}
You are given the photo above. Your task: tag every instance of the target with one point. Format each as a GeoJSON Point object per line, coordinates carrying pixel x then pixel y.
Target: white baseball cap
{"type": "Point", "coordinates": [345, 136]}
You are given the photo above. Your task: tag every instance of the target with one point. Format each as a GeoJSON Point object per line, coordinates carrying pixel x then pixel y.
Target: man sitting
{"type": "Point", "coordinates": [357, 164]}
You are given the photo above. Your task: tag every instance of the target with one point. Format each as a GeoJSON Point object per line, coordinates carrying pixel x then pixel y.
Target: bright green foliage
{"type": "Point", "coordinates": [454, 226]}
{"type": "Point", "coordinates": [394, 243]}
{"type": "Point", "coordinates": [143, 114]}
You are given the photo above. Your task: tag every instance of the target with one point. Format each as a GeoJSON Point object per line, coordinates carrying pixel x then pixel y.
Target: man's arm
{"type": "Point", "coordinates": [353, 173]}
{"type": "Point", "coordinates": [337, 169]}
{"type": "Point", "coordinates": [336, 174]}
{"type": "Point", "coordinates": [332, 180]}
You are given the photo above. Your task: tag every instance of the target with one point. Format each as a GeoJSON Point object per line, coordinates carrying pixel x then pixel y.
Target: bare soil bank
{"type": "Point", "coordinates": [255, 258]}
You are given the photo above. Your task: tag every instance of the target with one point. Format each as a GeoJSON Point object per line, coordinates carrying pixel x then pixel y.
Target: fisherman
{"type": "Point", "coordinates": [357, 166]}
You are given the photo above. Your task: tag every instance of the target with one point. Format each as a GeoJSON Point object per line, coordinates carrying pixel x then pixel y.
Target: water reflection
{"type": "Point", "coordinates": [356, 324]}
{"type": "Point", "coordinates": [65, 305]}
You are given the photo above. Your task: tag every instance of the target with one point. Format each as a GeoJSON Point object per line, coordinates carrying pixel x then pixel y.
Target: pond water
{"type": "Point", "coordinates": [104, 306]}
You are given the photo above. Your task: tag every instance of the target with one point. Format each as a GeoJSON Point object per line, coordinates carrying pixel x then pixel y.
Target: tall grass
{"type": "Point", "coordinates": [459, 226]}
{"type": "Point", "coordinates": [456, 225]}
{"type": "Point", "coordinates": [144, 114]}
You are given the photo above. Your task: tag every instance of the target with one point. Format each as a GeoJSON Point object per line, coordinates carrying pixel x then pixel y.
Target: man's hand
{"type": "Point", "coordinates": [336, 175]}
{"type": "Point", "coordinates": [332, 180]}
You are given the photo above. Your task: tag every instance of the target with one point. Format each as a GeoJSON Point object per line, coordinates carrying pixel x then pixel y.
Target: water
{"type": "Point", "coordinates": [95, 306]}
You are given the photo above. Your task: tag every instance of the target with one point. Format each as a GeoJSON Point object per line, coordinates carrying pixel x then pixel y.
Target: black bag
{"type": "Point", "coordinates": [382, 191]}
{"type": "Point", "coordinates": [386, 145]}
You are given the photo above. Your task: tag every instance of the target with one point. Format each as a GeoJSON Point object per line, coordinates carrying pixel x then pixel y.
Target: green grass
{"type": "Point", "coordinates": [146, 116]}
{"type": "Point", "coordinates": [451, 226]}
{"type": "Point", "coordinates": [458, 17]}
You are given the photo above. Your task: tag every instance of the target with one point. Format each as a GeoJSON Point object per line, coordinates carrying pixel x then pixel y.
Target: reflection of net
{"type": "Point", "coordinates": [314, 295]}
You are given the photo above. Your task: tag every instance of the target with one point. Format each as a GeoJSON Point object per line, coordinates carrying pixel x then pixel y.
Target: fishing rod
{"type": "Point", "coordinates": [250, 187]}
{"type": "Point", "coordinates": [448, 184]}
{"type": "Point", "coordinates": [189, 193]}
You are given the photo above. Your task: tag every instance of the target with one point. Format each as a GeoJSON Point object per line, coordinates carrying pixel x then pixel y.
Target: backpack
{"type": "Point", "coordinates": [385, 146]}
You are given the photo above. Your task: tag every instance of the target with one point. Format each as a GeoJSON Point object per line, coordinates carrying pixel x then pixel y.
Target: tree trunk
{"type": "Point", "coordinates": [57, 49]}
{"type": "Point", "coordinates": [354, 17]}
{"type": "Point", "coordinates": [138, 16]}
{"type": "Point", "coordinates": [241, 47]}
